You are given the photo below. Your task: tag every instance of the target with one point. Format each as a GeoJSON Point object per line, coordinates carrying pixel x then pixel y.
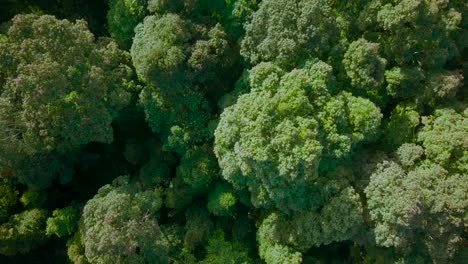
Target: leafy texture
{"type": "Point", "coordinates": [60, 90]}
{"type": "Point", "coordinates": [427, 187]}
{"type": "Point", "coordinates": [272, 140]}
{"type": "Point", "coordinates": [120, 225]}
{"type": "Point", "coordinates": [123, 17]}
{"type": "Point", "coordinates": [286, 31]}
{"type": "Point", "coordinates": [23, 232]}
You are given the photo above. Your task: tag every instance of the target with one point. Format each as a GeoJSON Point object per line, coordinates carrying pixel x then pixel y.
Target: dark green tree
{"type": "Point", "coordinates": [219, 251]}
{"type": "Point", "coordinates": [122, 18]}
{"type": "Point", "coordinates": [222, 200]}
{"type": "Point", "coordinates": [289, 31]}
{"type": "Point", "coordinates": [23, 232]}
{"type": "Point", "coordinates": [60, 89]}
{"type": "Point", "coordinates": [64, 222]}
{"type": "Point", "coordinates": [273, 140]}
{"type": "Point", "coordinates": [120, 224]}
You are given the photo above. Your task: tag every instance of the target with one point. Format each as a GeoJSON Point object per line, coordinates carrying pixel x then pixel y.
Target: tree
{"type": "Point", "coordinates": [221, 200]}
{"type": "Point", "coordinates": [289, 31]}
{"type": "Point", "coordinates": [159, 49]}
{"type": "Point", "coordinates": [9, 198]}
{"type": "Point", "coordinates": [219, 251]}
{"type": "Point", "coordinates": [444, 137]}
{"type": "Point", "coordinates": [401, 126]}
{"type": "Point", "coordinates": [287, 236]}
{"type": "Point", "coordinates": [277, 136]}
{"type": "Point", "coordinates": [162, 6]}
{"type": "Point", "coordinates": [426, 185]}
{"type": "Point", "coordinates": [59, 91]}
{"type": "Point", "coordinates": [181, 118]}
{"type": "Point", "coordinates": [120, 224]}
{"type": "Point", "coordinates": [235, 15]}
{"type": "Point", "coordinates": [404, 82]}
{"type": "Point", "coordinates": [364, 66]}
{"type": "Point", "coordinates": [209, 55]}
{"type": "Point", "coordinates": [75, 249]}
{"type": "Point", "coordinates": [64, 222]}
{"type": "Point", "coordinates": [198, 169]}
{"type": "Point", "coordinates": [123, 16]}
{"type": "Point", "coordinates": [197, 227]}
{"type": "Point", "coordinates": [174, 50]}
{"type": "Point", "coordinates": [23, 232]}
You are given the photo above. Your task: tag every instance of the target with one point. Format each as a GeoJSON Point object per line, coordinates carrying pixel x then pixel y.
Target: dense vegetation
{"type": "Point", "coordinates": [233, 131]}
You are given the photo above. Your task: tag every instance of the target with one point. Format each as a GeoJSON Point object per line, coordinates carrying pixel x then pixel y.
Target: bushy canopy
{"type": "Point", "coordinates": [23, 232]}
{"type": "Point", "coordinates": [286, 31]}
{"type": "Point", "coordinates": [159, 48]}
{"type": "Point", "coordinates": [426, 185]}
{"type": "Point", "coordinates": [249, 131]}
{"type": "Point", "coordinates": [59, 90]}
{"type": "Point", "coordinates": [123, 17]}
{"type": "Point", "coordinates": [276, 135]}
{"type": "Point", "coordinates": [119, 224]}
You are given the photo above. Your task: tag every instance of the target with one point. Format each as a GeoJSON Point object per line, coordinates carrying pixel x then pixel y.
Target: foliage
{"type": "Point", "coordinates": [288, 31]}
{"type": "Point", "coordinates": [276, 136]}
{"type": "Point", "coordinates": [59, 91]}
{"type": "Point", "coordinates": [426, 184]}
{"type": "Point", "coordinates": [364, 66]}
{"type": "Point", "coordinates": [197, 169]}
{"type": "Point", "coordinates": [36, 63]}
{"type": "Point", "coordinates": [181, 118]}
{"type": "Point", "coordinates": [272, 131]}
{"type": "Point", "coordinates": [63, 221]}
{"type": "Point", "coordinates": [9, 198]}
{"type": "Point", "coordinates": [123, 16]}
{"type": "Point", "coordinates": [222, 200]}
{"type": "Point", "coordinates": [119, 224]}
{"type": "Point", "coordinates": [158, 49]}
{"type": "Point", "coordinates": [221, 251]}
{"type": "Point", "coordinates": [23, 232]}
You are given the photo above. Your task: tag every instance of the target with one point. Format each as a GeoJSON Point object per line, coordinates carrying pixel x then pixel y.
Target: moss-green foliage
{"type": "Point", "coordinates": [121, 218]}
{"type": "Point", "coordinates": [427, 186]}
{"type": "Point", "coordinates": [49, 86]}
{"type": "Point", "coordinates": [158, 49]}
{"type": "Point", "coordinates": [75, 249]}
{"type": "Point", "coordinates": [208, 55]}
{"type": "Point", "coordinates": [235, 14]}
{"type": "Point", "coordinates": [250, 131]}
{"type": "Point", "coordinates": [220, 251]}
{"type": "Point", "coordinates": [9, 198]}
{"type": "Point", "coordinates": [221, 200]}
{"type": "Point", "coordinates": [364, 66]}
{"type": "Point", "coordinates": [23, 232]}
{"type": "Point", "coordinates": [122, 18]}
{"type": "Point", "coordinates": [182, 118]}
{"type": "Point", "coordinates": [60, 91]}
{"type": "Point", "coordinates": [64, 222]}
{"type": "Point", "coordinates": [33, 199]}
{"type": "Point", "coordinates": [198, 226]}
{"type": "Point", "coordinates": [401, 126]}
{"type": "Point", "coordinates": [288, 31]}
{"type": "Point", "coordinates": [198, 169]}
{"type": "Point", "coordinates": [340, 219]}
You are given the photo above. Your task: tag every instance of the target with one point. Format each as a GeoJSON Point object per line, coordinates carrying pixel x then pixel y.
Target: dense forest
{"type": "Point", "coordinates": [233, 131]}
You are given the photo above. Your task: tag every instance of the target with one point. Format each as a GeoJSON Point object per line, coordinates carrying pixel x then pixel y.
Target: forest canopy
{"type": "Point", "coordinates": [233, 131]}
